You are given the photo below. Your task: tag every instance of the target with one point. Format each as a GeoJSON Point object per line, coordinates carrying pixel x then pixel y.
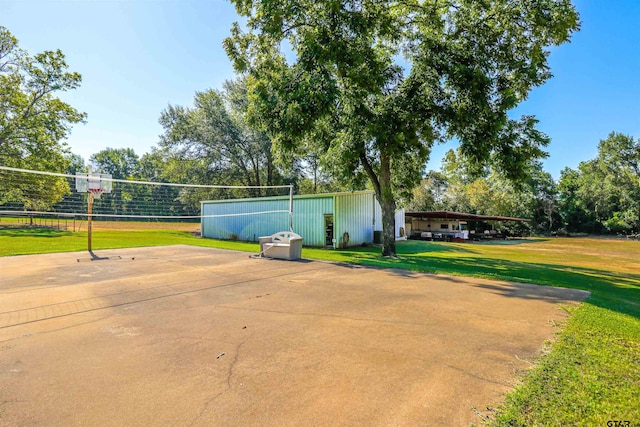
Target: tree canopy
{"type": "Point", "coordinates": [33, 122]}
{"type": "Point", "coordinates": [490, 193]}
{"type": "Point", "coordinates": [121, 163]}
{"type": "Point", "coordinates": [217, 140]}
{"type": "Point", "coordinates": [376, 83]}
{"type": "Point", "coordinates": [603, 194]}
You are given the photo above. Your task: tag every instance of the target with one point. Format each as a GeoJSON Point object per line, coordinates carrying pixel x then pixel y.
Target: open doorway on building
{"type": "Point", "coordinates": [328, 230]}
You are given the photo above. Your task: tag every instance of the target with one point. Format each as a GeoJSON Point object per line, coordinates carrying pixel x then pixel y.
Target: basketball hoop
{"type": "Point", "coordinates": [97, 192]}
{"type": "Point", "coordinates": [90, 182]}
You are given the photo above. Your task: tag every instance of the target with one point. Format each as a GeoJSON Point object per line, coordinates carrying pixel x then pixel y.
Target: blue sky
{"type": "Point", "coordinates": [136, 57]}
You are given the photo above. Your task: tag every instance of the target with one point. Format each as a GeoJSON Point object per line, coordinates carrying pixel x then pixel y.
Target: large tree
{"type": "Point", "coordinates": [33, 121]}
{"type": "Point", "coordinates": [619, 159]}
{"type": "Point", "coordinates": [384, 80]}
{"type": "Point", "coordinates": [215, 136]}
{"type": "Point", "coordinates": [121, 163]}
{"type": "Point", "coordinates": [603, 194]}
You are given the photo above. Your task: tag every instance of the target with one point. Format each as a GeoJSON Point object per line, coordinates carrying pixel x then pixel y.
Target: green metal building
{"type": "Point", "coordinates": [323, 220]}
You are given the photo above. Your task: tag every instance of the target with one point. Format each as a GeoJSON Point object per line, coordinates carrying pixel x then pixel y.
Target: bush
{"type": "Point", "coordinates": [619, 223]}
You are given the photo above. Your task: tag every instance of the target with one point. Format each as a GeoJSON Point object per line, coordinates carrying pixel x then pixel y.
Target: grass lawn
{"type": "Point", "coordinates": [590, 374]}
{"type": "Point", "coordinates": [25, 241]}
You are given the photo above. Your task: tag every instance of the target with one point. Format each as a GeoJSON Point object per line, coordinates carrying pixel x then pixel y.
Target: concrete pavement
{"type": "Point", "coordinates": [184, 335]}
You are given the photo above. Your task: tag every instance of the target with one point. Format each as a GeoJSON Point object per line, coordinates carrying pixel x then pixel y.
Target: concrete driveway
{"type": "Point", "coordinates": [184, 335]}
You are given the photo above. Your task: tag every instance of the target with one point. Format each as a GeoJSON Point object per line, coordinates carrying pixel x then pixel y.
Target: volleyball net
{"type": "Point", "coordinates": [68, 201]}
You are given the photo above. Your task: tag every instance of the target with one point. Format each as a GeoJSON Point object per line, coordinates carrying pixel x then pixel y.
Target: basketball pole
{"type": "Point", "coordinates": [89, 211]}
{"type": "Point", "coordinates": [89, 208]}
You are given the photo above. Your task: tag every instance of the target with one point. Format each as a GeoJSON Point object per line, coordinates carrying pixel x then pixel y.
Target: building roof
{"type": "Point", "coordinates": [462, 216]}
{"type": "Point", "coordinates": [295, 196]}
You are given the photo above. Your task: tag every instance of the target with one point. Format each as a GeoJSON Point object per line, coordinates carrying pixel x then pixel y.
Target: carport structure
{"type": "Point", "coordinates": [452, 224]}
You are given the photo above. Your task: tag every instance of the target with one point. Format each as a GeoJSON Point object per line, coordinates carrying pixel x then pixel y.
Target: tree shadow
{"type": "Point", "coordinates": [538, 292]}
{"type": "Point", "coordinates": [9, 231]}
{"type": "Point", "coordinates": [415, 247]}
{"type": "Point", "coordinates": [95, 257]}
{"type": "Point", "coordinates": [421, 246]}
{"type": "Point", "coordinates": [509, 242]}
{"type": "Point", "coordinates": [619, 292]}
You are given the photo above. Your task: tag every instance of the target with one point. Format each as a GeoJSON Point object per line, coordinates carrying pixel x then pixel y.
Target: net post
{"type": "Point", "coordinates": [201, 219]}
{"type": "Point", "coordinates": [290, 207]}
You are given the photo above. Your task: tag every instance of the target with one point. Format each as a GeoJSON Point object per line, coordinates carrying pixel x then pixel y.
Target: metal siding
{"type": "Point", "coordinates": [378, 224]}
{"type": "Point", "coordinates": [400, 222]}
{"type": "Point", "coordinates": [244, 227]}
{"type": "Point", "coordinates": [308, 219]}
{"type": "Point", "coordinates": [355, 215]}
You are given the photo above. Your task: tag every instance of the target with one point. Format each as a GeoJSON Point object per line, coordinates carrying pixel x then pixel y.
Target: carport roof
{"type": "Point", "coordinates": [462, 216]}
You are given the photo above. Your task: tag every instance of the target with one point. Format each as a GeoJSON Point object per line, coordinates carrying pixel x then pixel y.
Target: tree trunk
{"type": "Point", "coordinates": [315, 179]}
{"type": "Point", "coordinates": [382, 186]}
{"type": "Point", "coordinates": [255, 163]}
{"type": "Point", "coordinates": [388, 205]}
{"type": "Point", "coordinates": [269, 170]}
{"type": "Point", "coordinates": [388, 226]}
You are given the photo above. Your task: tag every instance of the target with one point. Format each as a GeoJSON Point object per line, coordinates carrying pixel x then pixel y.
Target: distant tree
{"type": "Point", "coordinates": [313, 175]}
{"type": "Point", "coordinates": [152, 167]}
{"type": "Point", "coordinates": [316, 173]}
{"type": "Point", "coordinates": [595, 198]}
{"type": "Point", "coordinates": [603, 194]}
{"type": "Point", "coordinates": [543, 199]}
{"type": "Point", "coordinates": [32, 192]}
{"type": "Point", "coordinates": [164, 165]}
{"type": "Point", "coordinates": [215, 134]}
{"type": "Point", "coordinates": [33, 122]}
{"type": "Point", "coordinates": [488, 192]}
{"type": "Point", "coordinates": [482, 191]}
{"type": "Point", "coordinates": [509, 199]}
{"type": "Point", "coordinates": [481, 197]}
{"type": "Point", "coordinates": [574, 217]}
{"type": "Point", "coordinates": [158, 166]}
{"type": "Point", "coordinates": [121, 163]}
{"type": "Point", "coordinates": [619, 159]}
{"type": "Point", "coordinates": [385, 80]}
{"type": "Point", "coordinates": [75, 164]}
{"type": "Point", "coordinates": [430, 193]}
{"type": "Point", "coordinates": [620, 153]}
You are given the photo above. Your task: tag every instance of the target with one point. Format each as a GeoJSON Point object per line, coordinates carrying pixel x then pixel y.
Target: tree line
{"type": "Point", "coordinates": [600, 196]}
